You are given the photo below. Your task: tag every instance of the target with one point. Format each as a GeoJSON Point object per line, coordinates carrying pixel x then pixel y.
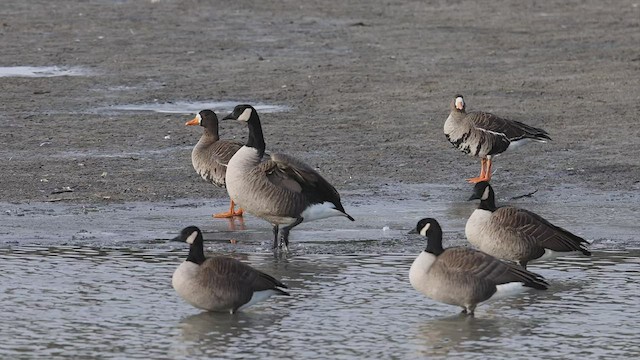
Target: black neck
{"type": "Point", "coordinates": [490, 203]}
{"type": "Point", "coordinates": [196, 252]}
{"type": "Point", "coordinates": [434, 241]}
{"type": "Point", "coordinates": [256, 138]}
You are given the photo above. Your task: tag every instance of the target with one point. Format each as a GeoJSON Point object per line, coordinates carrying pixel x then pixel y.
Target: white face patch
{"type": "Point", "coordinates": [192, 237]}
{"type": "Point", "coordinates": [424, 230]}
{"type": "Point", "coordinates": [485, 194]}
{"type": "Point", "coordinates": [459, 103]}
{"type": "Point", "coordinates": [246, 114]}
{"type": "Point", "coordinates": [199, 119]}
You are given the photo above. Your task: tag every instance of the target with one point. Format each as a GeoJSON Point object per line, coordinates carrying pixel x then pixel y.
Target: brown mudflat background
{"type": "Point", "coordinates": [368, 84]}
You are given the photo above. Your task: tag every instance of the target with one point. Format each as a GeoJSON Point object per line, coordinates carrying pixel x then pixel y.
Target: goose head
{"type": "Point", "coordinates": [205, 118]}
{"type": "Point", "coordinates": [242, 112]}
{"type": "Point", "coordinates": [430, 228]}
{"type": "Point", "coordinates": [192, 236]}
{"type": "Point", "coordinates": [482, 191]}
{"type": "Point", "coordinates": [458, 103]}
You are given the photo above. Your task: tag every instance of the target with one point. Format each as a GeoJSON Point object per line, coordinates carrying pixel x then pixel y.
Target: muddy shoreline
{"type": "Point", "coordinates": [366, 85]}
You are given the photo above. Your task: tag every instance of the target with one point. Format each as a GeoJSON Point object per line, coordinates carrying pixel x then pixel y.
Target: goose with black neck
{"type": "Point", "coordinates": [219, 283]}
{"type": "Point", "coordinates": [282, 189]}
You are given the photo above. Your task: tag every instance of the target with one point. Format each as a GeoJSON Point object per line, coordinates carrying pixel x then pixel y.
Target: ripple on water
{"type": "Point", "coordinates": [88, 302]}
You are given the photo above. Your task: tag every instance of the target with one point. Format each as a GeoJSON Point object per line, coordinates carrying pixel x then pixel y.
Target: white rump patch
{"type": "Point", "coordinates": [424, 230]}
{"type": "Point", "coordinates": [246, 114]}
{"type": "Point", "coordinates": [257, 297]}
{"type": "Point", "coordinates": [320, 211]}
{"type": "Point", "coordinates": [192, 237]}
{"type": "Point", "coordinates": [507, 289]}
{"type": "Point", "coordinates": [550, 254]}
{"type": "Point", "coordinates": [518, 143]}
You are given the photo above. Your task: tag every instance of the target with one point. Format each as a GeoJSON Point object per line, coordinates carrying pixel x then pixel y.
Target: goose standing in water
{"type": "Point", "coordinates": [514, 234]}
{"type": "Point", "coordinates": [211, 155]}
{"type": "Point", "coordinates": [219, 283]}
{"type": "Point", "coordinates": [465, 277]}
{"type": "Point", "coordinates": [486, 135]}
{"type": "Point", "coordinates": [282, 190]}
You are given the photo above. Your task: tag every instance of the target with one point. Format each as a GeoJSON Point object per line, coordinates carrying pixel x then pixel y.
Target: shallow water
{"type": "Point", "coordinates": [188, 107]}
{"type": "Point", "coordinates": [91, 302]}
{"type": "Point", "coordinates": [94, 280]}
{"type": "Point", "coordinates": [41, 71]}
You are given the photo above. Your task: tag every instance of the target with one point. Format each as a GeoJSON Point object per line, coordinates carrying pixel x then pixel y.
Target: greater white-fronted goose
{"type": "Point", "coordinates": [465, 277]}
{"type": "Point", "coordinates": [486, 135]}
{"type": "Point", "coordinates": [515, 234]}
{"type": "Point", "coordinates": [211, 155]}
{"type": "Point", "coordinates": [219, 283]}
{"type": "Point", "coordinates": [282, 190]}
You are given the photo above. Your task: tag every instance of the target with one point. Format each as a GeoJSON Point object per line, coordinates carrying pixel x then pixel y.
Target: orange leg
{"type": "Point", "coordinates": [483, 171]}
{"type": "Point", "coordinates": [229, 214]}
{"type": "Point", "coordinates": [487, 174]}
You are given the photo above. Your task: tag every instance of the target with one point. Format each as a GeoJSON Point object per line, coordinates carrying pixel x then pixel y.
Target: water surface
{"type": "Point", "coordinates": [188, 107]}
{"type": "Point", "coordinates": [94, 302]}
{"type": "Point", "coordinates": [41, 71]}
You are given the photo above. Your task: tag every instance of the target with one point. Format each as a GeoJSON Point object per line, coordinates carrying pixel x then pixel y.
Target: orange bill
{"type": "Point", "coordinates": [193, 121]}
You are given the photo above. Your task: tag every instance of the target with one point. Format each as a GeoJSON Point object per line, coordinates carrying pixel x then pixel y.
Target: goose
{"type": "Point", "coordinates": [219, 283]}
{"type": "Point", "coordinates": [211, 155]}
{"type": "Point", "coordinates": [486, 135]}
{"type": "Point", "coordinates": [514, 234]}
{"type": "Point", "coordinates": [463, 276]}
{"type": "Point", "coordinates": [281, 190]}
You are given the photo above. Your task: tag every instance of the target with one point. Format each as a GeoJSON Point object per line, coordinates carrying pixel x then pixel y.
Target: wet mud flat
{"type": "Point", "coordinates": [366, 86]}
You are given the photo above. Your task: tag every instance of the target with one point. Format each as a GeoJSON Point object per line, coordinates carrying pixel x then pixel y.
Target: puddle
{"type": "Point", "coordinates": [41, 71]}
{"type": "Point", "coordinates": [187, 107]}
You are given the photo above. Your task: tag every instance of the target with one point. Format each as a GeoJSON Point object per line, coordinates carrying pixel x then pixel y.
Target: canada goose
{"type": "Point", "coordinates": [515, 234]}
{"type": "Point", "coordinates": [282, 190]}
{"type": "Point", "coordinates": [211, 155]}
{"type": "Point", "coordinates": [219, 283]}
{"type": "Point", "coordinates": [486, 135]}
{"type": "Point", "coordinates": [463, 276]}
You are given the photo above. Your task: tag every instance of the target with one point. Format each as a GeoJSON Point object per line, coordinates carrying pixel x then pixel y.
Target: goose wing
{"type": "Point", "coordinates": [486, 268]}
{"type": "Point", "coordinates": [234, 280]}
{"type": "Point", "coordinates": [223, 150]}
{"type": "Point", "coordinates": [286, 171]}
{"type": "Point", "coordinates": [532, 227]}
{"type": "Point", "coordinates": [478, 138]}
{"type": "Point", "coordinates": [551, 236]}
{"type": "Point", "coordinates": [511, 129]}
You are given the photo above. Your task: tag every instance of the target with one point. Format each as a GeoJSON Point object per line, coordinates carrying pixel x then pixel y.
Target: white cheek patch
{"type": "Point", "coordinates": [199, 118]}
{"type": "Point", "coordinates": [424, 230]}
{"type": "Point", "coordinates": [246, 114]}
{"type": "Point", "coordinates": [192, 237]}
{"type": "Point", "coordinates": [485, 195]}
{"type": "Point", "coordinates": [459, 103]}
